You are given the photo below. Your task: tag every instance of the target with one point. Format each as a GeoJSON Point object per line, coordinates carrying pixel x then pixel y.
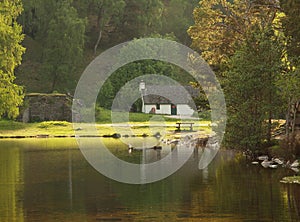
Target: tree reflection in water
{"type": "Point", "coordinates": [293, 196]}
{"type": "Point", "coordinates": [49, 180]}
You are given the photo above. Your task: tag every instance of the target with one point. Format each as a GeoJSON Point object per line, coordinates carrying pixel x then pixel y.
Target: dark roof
{"type": "Point", "coordinates": [169, 94]}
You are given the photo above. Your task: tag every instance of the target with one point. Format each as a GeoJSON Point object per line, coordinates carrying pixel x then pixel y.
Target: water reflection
{"type": "Point", "coordinates": [49, 180]}
{"type": "Point", "coordinates": [293, 198]}
{"type": "Point", "coordinates": [11, 184]}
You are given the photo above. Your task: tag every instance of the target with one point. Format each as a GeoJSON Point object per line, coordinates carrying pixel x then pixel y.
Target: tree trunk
{"type": "Point", "coordinates": [294, 117]}
{"type": "Point", "coordinates": [269, 127]}
{"type": "Point", "coordinates": [287, 121]}
{"type": "Point", "coordinates": [287, 125]}
{"type": "Point", "coordinates": [54, 83]}
{"type": "Point", "coordinates": [98, 41]}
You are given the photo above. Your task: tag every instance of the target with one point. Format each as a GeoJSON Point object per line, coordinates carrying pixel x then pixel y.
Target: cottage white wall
{"type": "Point", "coordinates": [164, 109]}
{"type": "Point", "coordinates": [185, 110]}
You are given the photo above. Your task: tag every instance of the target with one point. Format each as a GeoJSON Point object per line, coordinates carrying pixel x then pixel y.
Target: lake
{"type": "Point", "coordinates": [50, 180]}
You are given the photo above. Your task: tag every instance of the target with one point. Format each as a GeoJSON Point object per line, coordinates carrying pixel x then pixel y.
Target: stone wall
{"type": "Point", "coordinates": [46, 107]}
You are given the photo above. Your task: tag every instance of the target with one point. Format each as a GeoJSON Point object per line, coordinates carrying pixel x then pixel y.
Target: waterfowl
{"type": "Point", "coordinates": [266, 163]}
{"type": "Point", "coordinates": [130, 148]}
{"type": "Point", "coordinates": [264, 157]}
{"type": "Point", "coordinates": [278, 161]}
{"type": "Point", "coordinates": [296, 170]}
{"type": "Point", "coordinates": [273, 166]}
{"type": "Point", "coordinates": [295, 164]}
{"type": "Point", "coordinates": [255, 162]}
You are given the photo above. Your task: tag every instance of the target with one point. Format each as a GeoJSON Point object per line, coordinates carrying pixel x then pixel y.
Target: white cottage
{"type": "Point", "coordinates": [170, 100]}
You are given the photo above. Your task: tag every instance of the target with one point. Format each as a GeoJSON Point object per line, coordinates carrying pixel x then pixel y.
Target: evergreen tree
{"type": "Point", "coordinates": [251, 90]}
{"type": "Point", "coordinates": [11, 95]}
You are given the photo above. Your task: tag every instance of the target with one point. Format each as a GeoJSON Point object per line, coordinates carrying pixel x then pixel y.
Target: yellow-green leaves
{"type": "Point", "coordinates": [11, 51]}
{"type": "Point", "coordinates": [220, 25]}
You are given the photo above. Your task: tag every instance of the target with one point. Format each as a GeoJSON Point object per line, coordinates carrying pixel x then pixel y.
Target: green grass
{"type": "Point", "coordinates": [105, 116]}
{"type": "Point", "coordinates": [49, 124]}
{"type": "Point", "coordinates": [292, 179]}
{"type": "Point", "coordinates": [58, 128]}
{"type": "Point", "coordinates": [140, 125]}
{"type": "Point", "coordinates": [11, 125]}
{"type": "Point", "coordinates": [54, 128]}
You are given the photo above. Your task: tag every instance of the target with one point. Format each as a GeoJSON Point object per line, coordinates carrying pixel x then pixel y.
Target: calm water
{"type": "Point", "coordinates": [49, 180]}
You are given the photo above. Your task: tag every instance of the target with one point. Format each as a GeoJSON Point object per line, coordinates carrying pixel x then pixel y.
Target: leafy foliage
{"type": "Point", "coordinates": [251, 90]}
{"type": "Point", "coordinates": [291, 25]}
{"type": "Point", "coordinates": [143, 67]}
{"type": "Point", "coordinates": [11, 51]}
{"type": "Point", "coordinates": [64, 45]}
{"type": "Point", "coordinates": [220, 26]}
{"type": "Point", "coordinates": [109, 13]}
{"type": "Point", "coordinates": [142, 18]}
{"type": "Point", "coordinates": [178, 17]}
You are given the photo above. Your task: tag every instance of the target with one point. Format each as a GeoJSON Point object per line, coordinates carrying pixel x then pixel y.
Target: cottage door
{"type": "Point", "coordinates": [173, 109]}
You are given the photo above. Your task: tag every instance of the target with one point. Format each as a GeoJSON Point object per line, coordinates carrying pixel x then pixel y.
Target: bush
{"type": "Point", "coordinates": [204, 115]}
{"type": "Point", "coordinates": [53, 123]}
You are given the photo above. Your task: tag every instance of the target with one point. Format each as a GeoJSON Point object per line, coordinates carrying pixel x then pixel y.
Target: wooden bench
{"type": "Point", "coordinates": [178, 127]}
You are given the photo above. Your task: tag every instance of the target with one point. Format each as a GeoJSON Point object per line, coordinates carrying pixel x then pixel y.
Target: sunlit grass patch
{"type": "Point", "coordinates": [53, 124]}
{"type": "Point", "coordinates": [292, 179]}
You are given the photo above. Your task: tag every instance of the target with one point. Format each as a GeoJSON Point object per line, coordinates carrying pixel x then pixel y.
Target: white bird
{"type": "Point", "coordinates": [278, 161]}
{"type": "Point", "coordinates": [295, 164]}
{"type": "Point", "coordinates": [130, 148]}
{"type": "Point", "coordinates": [266, 163]}
{"type": "Point", "coordinates": [265, 157]}
{"type": "Point", "coordinates": [273, 166]}
{"type": "Point", "coordinates": [295, 170]}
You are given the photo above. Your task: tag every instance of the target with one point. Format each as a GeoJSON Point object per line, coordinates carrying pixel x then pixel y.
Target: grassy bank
{"type": "Point", "coordinates": [139, 125]}
{"type": "Point", "coordinates": [291, 180]}
{"type": "Point", "coordinates": [62, 128]}
{"type": "Point", "coordinates": [13, 129]}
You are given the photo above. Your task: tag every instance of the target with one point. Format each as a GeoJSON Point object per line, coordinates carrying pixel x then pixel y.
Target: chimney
{"type": "Point", "coordinates": [142, 86]}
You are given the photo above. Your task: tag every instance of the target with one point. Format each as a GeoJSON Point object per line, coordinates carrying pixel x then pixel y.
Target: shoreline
{"type": "Point", "coordinates": [62, 129]}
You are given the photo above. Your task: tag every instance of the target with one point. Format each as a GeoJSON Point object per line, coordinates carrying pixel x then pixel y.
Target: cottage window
{"type": "Point", "coordinates": [157, 106]}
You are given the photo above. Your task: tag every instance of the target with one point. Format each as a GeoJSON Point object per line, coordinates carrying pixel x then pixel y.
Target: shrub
{"type": "Point", "coordinates": [53, 123]}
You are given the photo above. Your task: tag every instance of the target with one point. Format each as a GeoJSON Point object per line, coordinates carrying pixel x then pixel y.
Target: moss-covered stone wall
{"type": "Point", "coordinates": [47, 107]}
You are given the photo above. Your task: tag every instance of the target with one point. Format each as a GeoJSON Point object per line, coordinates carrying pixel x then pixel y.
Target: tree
{"type": "Point", "coordinates": [106, 95]}
{"type": "Point", "coordinates": [289, 81]}
{"type": "Point", "coordinates": [107, 11]}
{"type": "Point", "coordinates": [141, 18]}
{"type": "Point", "coordinates": [177, 16]}
{"type": "Point", "coordinates": [221, 26]}
{"type": "Point", "coordinates": [242, 40]}
{"type": "Point", "coordinates": [64, 45]}
{"type": "Point", "coordinates": [251, 90]}
{"type": "Point", "coordinates": [11, 50]}
{"type": "Point", "coordinates": [35, 23]}
{"type": "Point", "coordinates": [291, 27]}
{"type": "Point", "coordinates": [143, 67]}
